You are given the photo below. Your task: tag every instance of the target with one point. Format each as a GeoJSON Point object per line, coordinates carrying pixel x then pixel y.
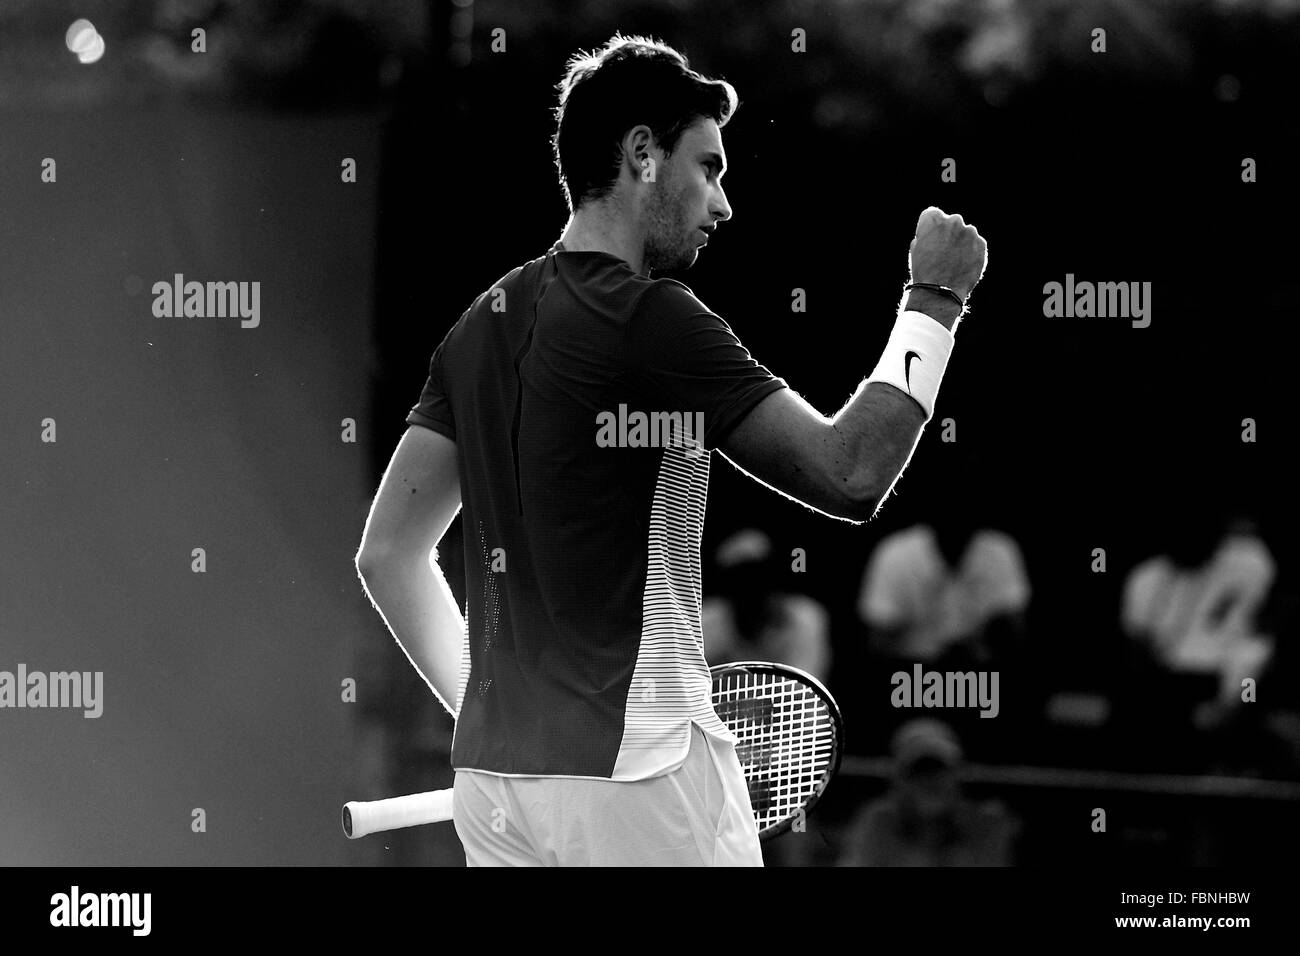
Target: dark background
{"type": "Point", "coordinates": [223, 690]}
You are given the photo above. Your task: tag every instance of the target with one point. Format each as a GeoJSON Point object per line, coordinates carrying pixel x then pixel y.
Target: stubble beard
{"type": "Point", "coordinates": [666, 248]}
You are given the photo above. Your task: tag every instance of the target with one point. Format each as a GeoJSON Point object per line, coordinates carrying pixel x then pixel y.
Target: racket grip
{"type": "Point", "coordinates": [362, 817]}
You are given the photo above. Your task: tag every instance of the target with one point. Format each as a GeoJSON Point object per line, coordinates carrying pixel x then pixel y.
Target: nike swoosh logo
{"type": "Point", "coordinates": [907, 368]}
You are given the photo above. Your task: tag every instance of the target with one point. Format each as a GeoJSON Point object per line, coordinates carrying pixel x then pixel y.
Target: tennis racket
{"type": "Point", "coordinates": [789, 739]}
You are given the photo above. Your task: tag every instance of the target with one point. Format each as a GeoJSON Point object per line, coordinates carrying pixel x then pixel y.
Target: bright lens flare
{"type": "Point", "coordinates": [83, 40]}
{"type": "Point", "coordinates": [94, 52]}
{"type": "Point", "coordinates": [79, 35]}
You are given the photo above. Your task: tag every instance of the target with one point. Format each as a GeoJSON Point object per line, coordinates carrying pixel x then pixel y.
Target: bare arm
{"type": "Point", "coordinates": [843, 466]}
{"type": "Point", "coordinates": [846, 466]}
{"type": "Point", "coordinates": [417, 500]}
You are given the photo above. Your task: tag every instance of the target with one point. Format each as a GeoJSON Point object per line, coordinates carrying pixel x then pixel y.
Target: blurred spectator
{"type": "Point", "coordinates": [1198, 617]}
{"type": "Point", "coordinates": [928, 590]}
{"type": "Point", "coordinates": [751, 616]}
{"type": "Point", "coordinates": [924, 820]}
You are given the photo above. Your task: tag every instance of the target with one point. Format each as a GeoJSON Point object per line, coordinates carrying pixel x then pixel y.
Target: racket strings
{"type": "Point", "coordinates": [785, 739]}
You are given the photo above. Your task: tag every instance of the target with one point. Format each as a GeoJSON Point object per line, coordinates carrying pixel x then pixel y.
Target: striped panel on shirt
{"type": "Point", "coordinates": [670, 688]}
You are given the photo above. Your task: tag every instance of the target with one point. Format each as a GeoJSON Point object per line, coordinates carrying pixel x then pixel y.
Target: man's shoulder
{"type": "Point", "coordinates": [509, 294]}
{"type": "Point", "coordinates": [664, 294]}
{"type": "Point", "coordinates": [513, 281]}
{"type": "Point", "coordinates": [608, 285]}
{"type": "Point", "coordinates": [667, 310]}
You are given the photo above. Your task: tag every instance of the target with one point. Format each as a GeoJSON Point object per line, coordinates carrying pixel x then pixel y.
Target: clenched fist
{"type": "Point", "coordinates": [948, 252]}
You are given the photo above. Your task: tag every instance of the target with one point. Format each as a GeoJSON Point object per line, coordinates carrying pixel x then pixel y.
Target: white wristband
{"type": "Point", "coordinates": [915, 358]}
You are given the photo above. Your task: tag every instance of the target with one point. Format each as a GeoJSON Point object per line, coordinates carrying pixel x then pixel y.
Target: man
{"type": "Point", "coordinates": [1199, 615]}
{"type": "Point", "coordinates": [584, 729]}
{"type": "Point", "coordinates": [940, 586]}
{"type": "Point", "coordinates": [924, 819]}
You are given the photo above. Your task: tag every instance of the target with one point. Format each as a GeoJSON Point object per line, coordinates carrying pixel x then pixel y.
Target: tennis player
{"type": "Point", "coordinates": [571, 413]}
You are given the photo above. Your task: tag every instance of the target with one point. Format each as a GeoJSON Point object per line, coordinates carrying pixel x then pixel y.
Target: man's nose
{"type": "Point", "coordinates": [720, 209]}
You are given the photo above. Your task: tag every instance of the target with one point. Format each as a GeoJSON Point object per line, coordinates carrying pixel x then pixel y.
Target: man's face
{"type": "Point", "coordinates": [685, 199]}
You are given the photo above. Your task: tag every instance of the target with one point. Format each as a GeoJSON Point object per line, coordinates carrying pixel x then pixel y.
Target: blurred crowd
{"type": "Point", "coordinates": [1192, 678]}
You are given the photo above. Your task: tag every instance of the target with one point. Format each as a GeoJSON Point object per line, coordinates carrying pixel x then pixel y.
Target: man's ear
{"type": "Point", "coordinates": [639, 154]}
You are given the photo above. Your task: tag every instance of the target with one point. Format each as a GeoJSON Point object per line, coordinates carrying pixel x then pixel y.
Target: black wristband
{"type": "Point", "coordinates": [941, 289]}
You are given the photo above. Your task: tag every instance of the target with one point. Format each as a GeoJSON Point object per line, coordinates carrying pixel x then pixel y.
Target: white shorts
{"type": "Point", "coordinates": [696, 815]}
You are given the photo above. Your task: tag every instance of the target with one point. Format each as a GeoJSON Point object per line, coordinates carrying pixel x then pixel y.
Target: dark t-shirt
{"type": "Point", "coordinates": [584, 399]}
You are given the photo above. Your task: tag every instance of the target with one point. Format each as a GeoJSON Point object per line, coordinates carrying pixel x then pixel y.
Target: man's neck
{"type": "Point", "coordinates": [592, 229]}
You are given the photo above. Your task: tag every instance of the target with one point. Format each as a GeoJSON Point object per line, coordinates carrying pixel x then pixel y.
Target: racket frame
{"type": "Point", "coordinates": [837, 734]}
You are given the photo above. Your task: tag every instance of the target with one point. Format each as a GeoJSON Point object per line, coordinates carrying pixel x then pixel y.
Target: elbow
{"type": "Point", "coordinates": [364, 567]}
{"type": "Point", "coordinates": [384, 559]}
{"type": "Point", "coordinates": [863, 509]}
{"type": "Point", "coordinates": [368, 562]}
{"type": "Point", "coordinates": [860, 499]}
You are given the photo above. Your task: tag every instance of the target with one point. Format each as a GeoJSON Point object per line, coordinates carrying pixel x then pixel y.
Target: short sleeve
{"type": "Point", "coordinates": [691, 361]}
{"type": "Point", "coordinates": [434, 408]}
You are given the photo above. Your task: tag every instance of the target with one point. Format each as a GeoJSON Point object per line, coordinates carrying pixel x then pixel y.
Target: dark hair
{"type": "Point", "coordinates": [628, 82]}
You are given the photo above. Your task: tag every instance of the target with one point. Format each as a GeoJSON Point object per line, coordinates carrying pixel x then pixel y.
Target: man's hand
{"type": "Point", "coordinates": [944, 251]}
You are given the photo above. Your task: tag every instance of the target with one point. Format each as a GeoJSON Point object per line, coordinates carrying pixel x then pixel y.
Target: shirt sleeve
{"type": "Point", "coordinates": [434, 408]}
{"type": "Point", "coordinates": [691, 361]}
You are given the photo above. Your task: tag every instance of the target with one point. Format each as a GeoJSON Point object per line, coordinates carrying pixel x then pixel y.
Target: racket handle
{"type": "Point", "coordinates": [361, 817]}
